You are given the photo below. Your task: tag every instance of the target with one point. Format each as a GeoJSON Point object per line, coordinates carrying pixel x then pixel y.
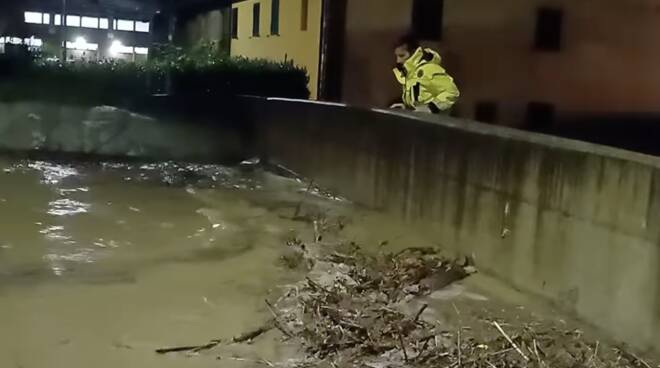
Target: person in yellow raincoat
{"type": "Point", "coordinates": [426, 85]}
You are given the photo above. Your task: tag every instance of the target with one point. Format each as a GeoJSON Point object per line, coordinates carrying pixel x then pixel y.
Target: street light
{"type": "Point", "coordinates": [115, 48]}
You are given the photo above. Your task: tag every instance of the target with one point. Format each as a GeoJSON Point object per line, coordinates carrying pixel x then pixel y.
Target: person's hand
{"type": "Point", "coordinates": [399, 106]}
{"type": "Point", "coordinates": [422, 108]}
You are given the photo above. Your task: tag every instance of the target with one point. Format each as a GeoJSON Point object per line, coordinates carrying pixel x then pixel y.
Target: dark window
{"type": "Point", "coordinates": [548, 29]}
{"type": "Point", "coordinates": [304, 14]}
{"type": "Point", "coordinates": [455, 111]}
{"type": "Point", "coordinates": [234, 23]}
{"type": "Point", "coordinates": [275, 18]}
{"type": "Point", "coordinates": [486, 111]}
{"type": "Point", "coordinates": [256, 19]}
{"type": "Point", "coordinates": [427, 19]}
{"type": "Point", "coordinates": [540, 116]}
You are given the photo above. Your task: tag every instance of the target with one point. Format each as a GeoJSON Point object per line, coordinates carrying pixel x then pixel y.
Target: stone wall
{"type": "Point", "coordinates": [570, 221]}
{"type": "Point", "coordinates": [110, 131]}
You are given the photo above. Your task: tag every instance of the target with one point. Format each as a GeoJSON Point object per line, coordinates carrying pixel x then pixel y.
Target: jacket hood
{"type": "Point", "coordinates": [422, 56]}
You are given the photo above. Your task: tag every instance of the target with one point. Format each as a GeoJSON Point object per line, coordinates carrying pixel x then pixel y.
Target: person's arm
{"type": "Point", "coordinates": [440, 87]}
{"type": "Point", "coordinates": [400, 76]}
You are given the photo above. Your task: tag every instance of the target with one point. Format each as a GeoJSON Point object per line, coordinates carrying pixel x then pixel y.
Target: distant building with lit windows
{"type": "Point", "coordinates": [93, 29]}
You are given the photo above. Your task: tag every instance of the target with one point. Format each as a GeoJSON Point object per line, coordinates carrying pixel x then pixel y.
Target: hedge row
{"type": "Point", "coordinates": [117, 82]}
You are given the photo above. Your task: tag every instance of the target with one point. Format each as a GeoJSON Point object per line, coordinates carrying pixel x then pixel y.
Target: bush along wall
{"type": "Point", "coordinates": [198, 72]}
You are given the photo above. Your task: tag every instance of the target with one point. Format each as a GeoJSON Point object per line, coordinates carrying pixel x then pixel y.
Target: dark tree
{"type": "Point", "coordinates": [12, 20]}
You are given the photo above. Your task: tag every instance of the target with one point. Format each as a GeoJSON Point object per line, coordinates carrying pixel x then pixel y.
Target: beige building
{"type": "Point", "coordinates": [276, 30]}
{"type": "Point", "coordinates": [279, 30]}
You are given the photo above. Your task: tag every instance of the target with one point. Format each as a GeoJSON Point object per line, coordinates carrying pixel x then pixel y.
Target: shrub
{"type": "Point", "coordinates": [200, 71]}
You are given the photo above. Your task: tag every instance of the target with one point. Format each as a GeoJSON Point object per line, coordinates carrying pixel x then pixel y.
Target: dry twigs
{"type": "Point", "coordinates": [513, 344]}
{"type": "Point", "coordinates": [355, 310]}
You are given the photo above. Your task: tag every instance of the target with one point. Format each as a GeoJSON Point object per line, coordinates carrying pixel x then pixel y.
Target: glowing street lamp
{"type": "Point", "coordinates": [115, 48]}
{"type": "Point", "coordinates": [80, 43]}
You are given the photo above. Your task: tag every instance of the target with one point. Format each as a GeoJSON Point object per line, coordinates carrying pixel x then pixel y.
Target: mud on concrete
{"type": "Point", "coordinates": [357, 308]}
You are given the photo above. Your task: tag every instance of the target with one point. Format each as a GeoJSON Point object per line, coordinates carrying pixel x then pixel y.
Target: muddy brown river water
{"type": "Point", "coordinates": [103, 263]}
{"type": "Point", "coordinates": [100, 264]}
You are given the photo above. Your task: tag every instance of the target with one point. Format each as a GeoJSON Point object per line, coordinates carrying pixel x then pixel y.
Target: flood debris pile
{"type": "Point", "coordinates": [354, 310]}
{"type": "Point", "coordinates": [348, 311]}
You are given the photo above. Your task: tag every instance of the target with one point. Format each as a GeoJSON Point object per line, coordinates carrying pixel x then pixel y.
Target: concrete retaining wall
{"type": "Point", "coordinates": [110, 131]}
{"type": "Point", "coordinates": [571, 221]}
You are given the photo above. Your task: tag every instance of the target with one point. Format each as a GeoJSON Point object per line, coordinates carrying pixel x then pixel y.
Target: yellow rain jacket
{"type": "Point", "coordinates": [425, 82]}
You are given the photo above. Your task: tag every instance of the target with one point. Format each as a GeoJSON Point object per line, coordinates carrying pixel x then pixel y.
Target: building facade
{"type": "Point", "coordinates": [91, 30]}
{"type": "Point", "coordinates": [523, 63]}
{"type": "Point", "coordinates": [213, 26]}
{"type": "Point", "coordinates": [275, 30]}
{"type": "Point", "coordinates": [279, 30]}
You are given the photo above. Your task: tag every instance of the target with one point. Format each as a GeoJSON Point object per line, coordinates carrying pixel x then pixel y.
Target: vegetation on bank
{"type": "Point", "coordinates": [199, 71]}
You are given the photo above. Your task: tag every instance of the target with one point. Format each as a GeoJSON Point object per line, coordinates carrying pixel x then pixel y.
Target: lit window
{"type": "Point", "coordinates": [142, 27]}
{"type": "Point", "coordinates": [11, 40]}
{"type": "Point", "coordinates": [124, 25]}
{"type": "Point", "coordinates": [33, 17]}
{"type": "Point", "coordinates": [33, 42]}
{"type": "Point", "coordinates": [89, 22]}
{"type": "Point", "coordinates": [73, 21]}
{"type": "Point", "coordinates": [103, 23]}
{"type": "Point", "coordinates": [58, 20]}
{"type": "Point", "coordinates": [118, 48]}
{"type": "Point", "coordinates": [46, 18]}
{"type": "Point", "coordinates": [141, 50]}
{"type": "Point", "coordinates": [77, 45]}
